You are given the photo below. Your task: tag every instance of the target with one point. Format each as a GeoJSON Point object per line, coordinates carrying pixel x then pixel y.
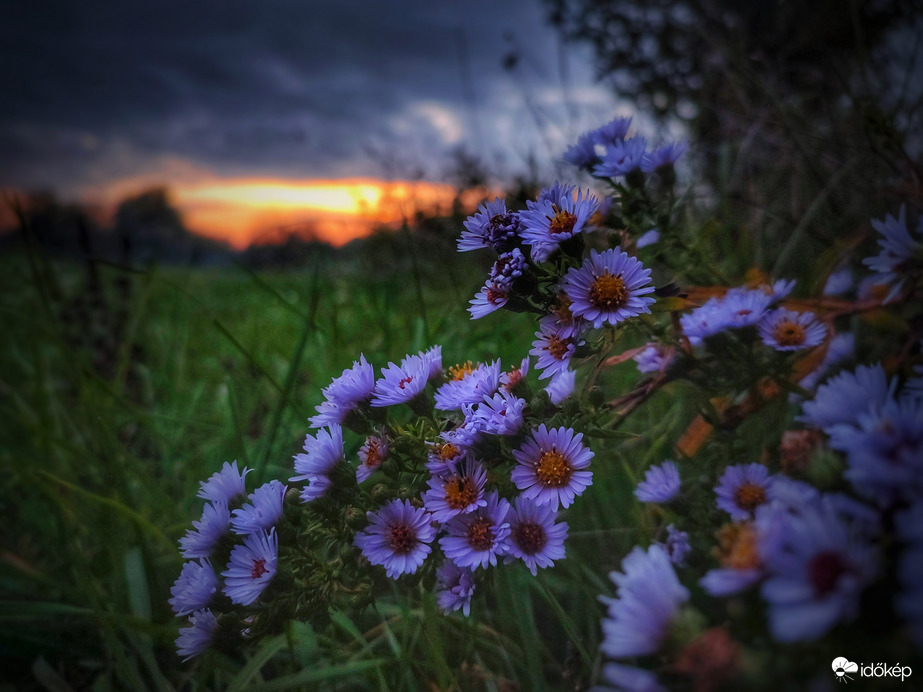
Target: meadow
{"type": "Point", "coordinates": [123, 389]}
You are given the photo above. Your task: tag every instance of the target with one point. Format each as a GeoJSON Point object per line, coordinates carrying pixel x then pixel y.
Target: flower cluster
{"type": "Point", "coordinates": [237, 530]}
{"type": "Point", "coordinates": [432, 476]}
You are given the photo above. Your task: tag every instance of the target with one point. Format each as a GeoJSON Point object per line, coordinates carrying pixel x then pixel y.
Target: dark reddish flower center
{"type": "Point", "coordinates": [512, 379]}
{"type": "Point", "coordinates": [562, 222]}
{"type": "Point", "coordinates": [825, 570]}
{"type": "Point", "coordinates": [259, 568]}
{"type": "Point", "coordinates": [373, 456]}
{"type": "Point", "coordinates": [608, 292]}
{"type": "Point", "coordinates": [553, 469]}
{"type": "Point", "coordinates": [481, 533]}
{"type": "Point", "coordinates": [530, 537]}
{"type": "Point", "coordinates": [460, 491]}
{"type": "Point", "coordinates": [749, 496]}
{"type": "Point", "coordinates": [494, 296]}
{"type": "Point", "coordinates": [788, 333]}
{"type": "Point", "coordinates": [402, 539]}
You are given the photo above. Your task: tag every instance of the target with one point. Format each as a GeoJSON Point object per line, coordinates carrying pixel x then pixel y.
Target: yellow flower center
{"type": "Point", "coordinates": [460, 491]}
{"type": "Point", "coordinates": [553, 469]}
{"type": "Point", "coordinates": [608, 292]}
{"type": "Point", "coordinates": [557, 347]}
{"type": "Point", "coordinates": [462, 370]}
{"type": "Point", "coordinates": [788, 333]}
{"type": "Point", "coordinates": [737, 546]}
{"type": "Point", "coordinates": [562, 222]}
{"type": "Point", "coordinates": [446, 452]}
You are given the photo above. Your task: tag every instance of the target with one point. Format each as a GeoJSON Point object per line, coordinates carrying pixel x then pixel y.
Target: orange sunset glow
{"type": "Point", "coordinates": [242, 211]}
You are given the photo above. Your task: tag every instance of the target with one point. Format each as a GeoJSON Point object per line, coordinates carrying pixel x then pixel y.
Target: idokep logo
{"type": "Point", "coordinates": [844, 669]}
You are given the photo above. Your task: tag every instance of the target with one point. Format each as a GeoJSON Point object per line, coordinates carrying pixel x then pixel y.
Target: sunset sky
{"type": "Point", "coordinates": [263, 114]}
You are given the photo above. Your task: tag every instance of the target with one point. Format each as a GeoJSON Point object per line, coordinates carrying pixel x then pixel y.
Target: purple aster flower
{"type": "Point", "coordinates": [401, 383]}
{"type": "Point", "coordinates": [561, 319]}
{"type": "Point", "coordinates": [322, 454]}
{"type": "Point", "coordinates": [508, 267]}
{"type": "Point", "coordinates": [225, 485]}
{"type": "Point", "coordinates": [846, 396]}
{"type": "Point", "coordinates": [490, 298]}
{"type": "Point", "coordinates": [631, 679]}
{"type": "Point", "coordinates": [194, 588]}
{"type": "Point", "coordinates": [205, 534]}
{"type": "Point", "coordinates": [743, 488]}
{"type": "Point", "coordinates": [550, 466]}
{"type": "Point", "coordinates": [534, 536]}
{"type": "Point", "coordinates": [622, 158]}
{"type": "Point", "coordinates": [710, 318]}
{"type": "Point", "coordinates": [447, 453]}
{"type": "Point", "coordinates": [742, 550]}
{"type": "Point", "coordinates": [345, 393]}
{"type": "Point", "coordinates": [263, 510]}
{"type": "Point", "coordinates": [468, 385]}
{"type": "Point", "coordinates": [509, 380]}
{"type": "Point", "coordinates": [664, 157]}
{"type": "Point", "coordinates": [372, 454]}
{"type": "Point", "coordinates": [545, 224]}
{"type": "Point", "coordinates": [612, 132]}
{"type": "Point", "coordinates": [746, 308]}
{"type": "Point", "coordinates": [654, 358]}
{"type": "Point", "coordinates": [609, 287]}
{"type": "Point", "coordinates": [492, 226]}
{"type": "Point", "coordinates": [648, 238]}
{"type": "Point", "coordinates": [553, 347]}
{"type": "Point", "coordinates": [583, 153]}
{"type": "Point", "coordinates": [816, 574]}
{"type": "Point", "coordinates": [779, 290]}
{"type": "Point", "coordinates": [456, 493]}
{"type": "Point", "coordinates": [500, 414]}
{"type": "Point", "coordinates": [677, 545]}
{"type": "Point", "coordinates": [432, 362]}
{"type": "Point", "coordinates": [647, 601]}
{"type": "Point", "coordinates": [842, 347]}
{"type": "Point", "coordinates": [397, 538]}
{"type": "Point", "coordinates": [899, 252]}
{"type": "Point", "coordinates": [884, 451]}
{"type": "Point", "coordinates": [454, 588]}
{"type": "Point", "coordinates": [476, 539]}
{"type": "Point", "coordinates": [557, 193]}
{"type": "Point", "coordinates": [839, 282]}
{"type": "Point", "coordinates": [660, 484]}
{"type": "Point", "coordinates": [793, 494]}
{"type": "Point", "coordinates": [194, 639]}
{"type": "Point", "coordinates": [251, 567]}
{"type": "Point", "coordinates": [561, 386]}
{"type": "Point", "coordinates": [786, 330]}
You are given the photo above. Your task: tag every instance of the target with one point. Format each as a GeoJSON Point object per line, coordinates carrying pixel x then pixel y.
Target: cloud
{"type": "Point", "coordinates": [287, 88]}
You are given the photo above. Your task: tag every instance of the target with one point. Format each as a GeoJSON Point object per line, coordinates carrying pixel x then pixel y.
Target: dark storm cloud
{"type": "Point", "coordinates": [95, 87]}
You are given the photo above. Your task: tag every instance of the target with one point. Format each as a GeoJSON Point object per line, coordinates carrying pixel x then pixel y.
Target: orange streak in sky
{"type": "Point", "coordinates": [243, 211]}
